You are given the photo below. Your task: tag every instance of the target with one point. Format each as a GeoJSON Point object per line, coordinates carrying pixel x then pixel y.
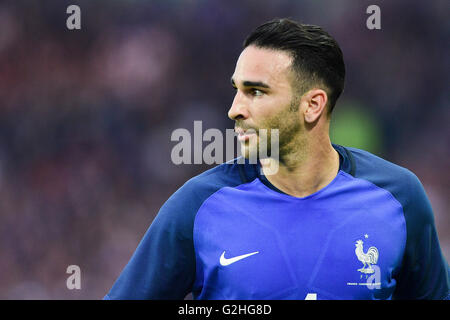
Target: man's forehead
{"type": "Point", "coordinates": [261, 64]}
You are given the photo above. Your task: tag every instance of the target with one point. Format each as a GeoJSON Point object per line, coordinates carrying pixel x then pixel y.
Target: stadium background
{"type": "Point", "coordinates": [86, 116]}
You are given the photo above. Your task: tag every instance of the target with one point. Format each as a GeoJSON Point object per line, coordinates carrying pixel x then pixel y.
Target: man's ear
{"type": "Point", "coordinates": [315, 104]}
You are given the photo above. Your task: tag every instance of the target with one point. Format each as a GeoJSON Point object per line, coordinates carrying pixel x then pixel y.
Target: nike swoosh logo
{"type": "Point", "coordinates": [225, 262]}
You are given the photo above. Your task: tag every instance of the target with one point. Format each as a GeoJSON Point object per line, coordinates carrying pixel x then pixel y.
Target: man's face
{"type": "Point", "coordinates": [264, 100]}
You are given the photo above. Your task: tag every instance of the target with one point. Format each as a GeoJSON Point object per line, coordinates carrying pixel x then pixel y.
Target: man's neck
{"type": "Point", "coordinates": [304, 171]}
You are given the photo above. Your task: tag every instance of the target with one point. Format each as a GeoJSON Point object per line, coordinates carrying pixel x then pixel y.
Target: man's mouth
{"type": "Point", "coordinates": [244, 135]}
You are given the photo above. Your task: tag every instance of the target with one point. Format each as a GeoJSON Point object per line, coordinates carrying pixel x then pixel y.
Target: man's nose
{"type": "Point", "coordinates": [238, 109]}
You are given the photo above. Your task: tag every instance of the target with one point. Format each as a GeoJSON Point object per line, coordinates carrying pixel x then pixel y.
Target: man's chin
{"type": "Point", "coordinates": [268, 167]}
{"type": "Point", "coordinates": [249, 153]}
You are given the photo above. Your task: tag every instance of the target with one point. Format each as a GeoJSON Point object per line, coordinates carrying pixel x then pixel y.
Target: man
{"type": "Point", "coordinates": [331, 223]}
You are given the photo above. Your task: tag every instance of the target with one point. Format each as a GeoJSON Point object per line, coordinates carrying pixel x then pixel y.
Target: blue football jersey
{"type": "Point", "coordinates": [229, 234]}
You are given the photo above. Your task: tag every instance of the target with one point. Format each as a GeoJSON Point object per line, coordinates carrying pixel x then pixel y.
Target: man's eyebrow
{"type": "Point", "coordinates": [251, 84]}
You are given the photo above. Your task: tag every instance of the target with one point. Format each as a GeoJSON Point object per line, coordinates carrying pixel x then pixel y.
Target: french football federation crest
{"type": "Point", "coordinates": [367, 258]}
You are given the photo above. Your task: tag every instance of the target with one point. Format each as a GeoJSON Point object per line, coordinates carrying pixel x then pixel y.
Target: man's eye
{"type": "Point", "coordinates": [256, 92]}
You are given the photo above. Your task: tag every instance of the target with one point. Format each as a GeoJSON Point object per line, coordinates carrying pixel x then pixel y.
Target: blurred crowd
{"type": "Point", "coordinates": [86, 117]}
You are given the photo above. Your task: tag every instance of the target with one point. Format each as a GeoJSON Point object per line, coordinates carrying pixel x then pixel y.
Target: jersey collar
{"type": "Point", "coordinates": [250, 172]}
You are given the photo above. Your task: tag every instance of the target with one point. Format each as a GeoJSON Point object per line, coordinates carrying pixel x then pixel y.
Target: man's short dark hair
{"type": "Point", "coordinates": [317, 58]}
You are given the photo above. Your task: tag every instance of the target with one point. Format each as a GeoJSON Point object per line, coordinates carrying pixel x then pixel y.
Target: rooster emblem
{"type": "Point", "coordinates": [368, 258]}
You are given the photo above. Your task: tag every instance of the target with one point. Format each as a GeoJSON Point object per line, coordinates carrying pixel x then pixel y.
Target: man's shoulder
{"type": "Point", "coordinates": [401, 182]}
{"type": "Point", "coordinates": [367, 164]}
{"type": "Point", "coordinates": [228, 174]}
{"type": "Point", "coordinates": [196, 190]}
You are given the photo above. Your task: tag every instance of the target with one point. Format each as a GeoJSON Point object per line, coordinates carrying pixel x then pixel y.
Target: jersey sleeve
{"type": "Point", "coordinates": [163, 265]}
{"type": "Point", "coordinates": [424, 273]}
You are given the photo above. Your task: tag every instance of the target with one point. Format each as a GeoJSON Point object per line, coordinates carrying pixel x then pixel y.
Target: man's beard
{"type": "Point", "coordinates": [268, 142]}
